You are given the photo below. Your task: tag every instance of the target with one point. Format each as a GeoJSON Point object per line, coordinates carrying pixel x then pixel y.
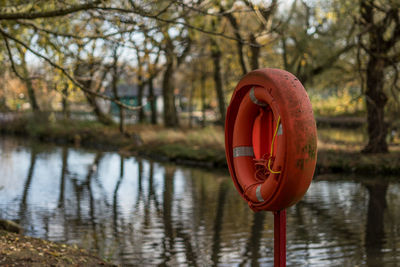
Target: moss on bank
{"type": "Point", "coordinates": [199, 146]}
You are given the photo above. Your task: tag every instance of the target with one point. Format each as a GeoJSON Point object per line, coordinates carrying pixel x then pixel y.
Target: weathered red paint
{"type": "Point", "coordinates": [252, 125]}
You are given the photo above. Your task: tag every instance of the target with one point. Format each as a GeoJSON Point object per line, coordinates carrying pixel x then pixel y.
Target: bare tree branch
{"type": "Point", "coordinates": [331, 60]}
{"type": "Point", "coordinates": [76, 83]}
{"type": "Point", "coordinates": [175, 21]}
{"type": "Point", "coordinates": [95, 5]}
{"type": "Point", "coordinates": [71, 35]}
{"type": "Point", "coordinates": [13, 66]}
{"type": "Point", "coordinates": [51, 13]}
{"type": "Point", "coordinates": [12, 60]}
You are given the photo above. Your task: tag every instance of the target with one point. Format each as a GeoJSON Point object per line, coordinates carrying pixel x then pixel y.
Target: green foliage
{"type": "Point", "coordinates": [337, 148]}
{"type": "Point", "coordinates": [312, 38]}
{"type": "Point", "coordinates": [315, 40]}
{"type": "Point", "coordinates": [340, 104]}
{"type": "Point", "coordinates": [342, 136]}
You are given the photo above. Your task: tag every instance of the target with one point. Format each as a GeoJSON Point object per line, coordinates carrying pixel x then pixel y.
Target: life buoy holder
{"type": "Point", "coordinates": [270, 139]}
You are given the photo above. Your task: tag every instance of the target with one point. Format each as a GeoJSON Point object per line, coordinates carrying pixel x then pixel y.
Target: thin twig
{"type": "Point", "coordinates": [12, 59]}
{"type": "Point", "coordinates": [70, 35]}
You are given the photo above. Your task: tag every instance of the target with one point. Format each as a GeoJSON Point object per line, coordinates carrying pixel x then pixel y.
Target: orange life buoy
{"type": "Point", "coordinates": [270, 139]}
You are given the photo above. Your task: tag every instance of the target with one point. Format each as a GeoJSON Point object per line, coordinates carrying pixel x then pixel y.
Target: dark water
{"type": "Point", "coordinates": [144, 213]}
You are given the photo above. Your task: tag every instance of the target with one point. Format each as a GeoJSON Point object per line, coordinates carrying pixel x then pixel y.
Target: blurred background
{"type": "Point", "coordinates": [94, 95]}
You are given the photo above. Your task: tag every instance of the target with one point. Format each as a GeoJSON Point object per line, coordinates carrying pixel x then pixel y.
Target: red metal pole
{"type": "Point", "coordinates": [280, 238]}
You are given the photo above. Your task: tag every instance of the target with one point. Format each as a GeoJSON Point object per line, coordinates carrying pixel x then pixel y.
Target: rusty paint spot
{"type": "Point", "coordinates": [311, 147]}
{"type": "Point", "coordinates": [300, 164]}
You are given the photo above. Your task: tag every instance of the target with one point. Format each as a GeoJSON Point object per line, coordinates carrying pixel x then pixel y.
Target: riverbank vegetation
{"type": "Point", "coordinates": [338, 148]}
{"type": "Point", "coordinates": [177, 63]}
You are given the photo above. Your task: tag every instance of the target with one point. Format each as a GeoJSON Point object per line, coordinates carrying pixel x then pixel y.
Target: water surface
{"type": "Point", "coordinates": [144, 213]}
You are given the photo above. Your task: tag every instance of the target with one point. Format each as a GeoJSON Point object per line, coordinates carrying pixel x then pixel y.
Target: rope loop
{"type": "Point", "coordinates": [263, 165]}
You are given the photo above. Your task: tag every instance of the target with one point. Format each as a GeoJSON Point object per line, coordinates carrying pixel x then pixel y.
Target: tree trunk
{"type": "Point", "coordinates": [65, 107]}
{"type": "Point", "coordinates": [121, 111]}
{"type": "Point", "coordinates": [29, 85]}
{"type": "Point", "coordinates": [203, 99]}
{"type": "Point", "coordinates": [153, 102]}
{"type": "Point", "coordinates": [170, 114]}
{"type": "Point", "coordinates": [255, 52]}
{"type": "Point", "coordinates": [100, 115]}
{"type": "Point", "coordinates": [378, 49]}
{"type": "Point", "coordinates": [86, 82]}
{"type": "Point", "coordinates": [239, 41]}
{"type": "Point", "coordinates": [121, 114]}
{"type": "Point", "coordinates": [285, 54]}
{"type": "Point", "coordinates": [376, 101]}
{"type": "Point", "coordinates": [32, 96]}
{"type": "Point", "coordinates": [116, 70]}
{"type": "Point", "coordinates": [216, 56]}
{"type": "Point", "coordinates": [140, 99]}
{"type": "Point", "coordinates": [241, 57]}
{"type": "Point", "coordinates": [192, 88]}
{"type": "Point", "coordinates": [174, 60]}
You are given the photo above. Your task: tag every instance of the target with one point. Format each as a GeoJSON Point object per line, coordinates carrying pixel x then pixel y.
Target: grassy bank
{"type": "Point", "coordinates": [20, 250]}
{"type": "Point", "coordinates": [338, 150]}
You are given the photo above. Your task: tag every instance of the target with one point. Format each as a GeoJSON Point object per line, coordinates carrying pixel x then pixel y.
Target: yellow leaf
{"type": "Point", "coordinates": [56, 254]}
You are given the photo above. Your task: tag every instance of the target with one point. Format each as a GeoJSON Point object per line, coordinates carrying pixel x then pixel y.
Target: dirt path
{"type": "Point", "coordinates": [19, 250]}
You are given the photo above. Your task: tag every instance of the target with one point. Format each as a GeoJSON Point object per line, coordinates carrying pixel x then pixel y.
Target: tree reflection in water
{"type": "Point", "coordinates": [138, 212]}
{"type": "Point", "coordinates": [80, 189]}
{"type": "Point", "coordinates": [64, 170]}
{"type": "Point", "coordinates": [23, 210]}
{"type": "Point", "coordinates": [216, 241]}
{"type": "Point", "coordinates": [254, 243]}
{"type": "Point", "coordinates": [168, 238]}
{"type": "Point", "coordinates": [119, 235]}
{"type": "Point", "coordinates": [374, 232]}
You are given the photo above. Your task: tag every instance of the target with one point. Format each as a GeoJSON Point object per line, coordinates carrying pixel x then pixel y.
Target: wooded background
{"type": "Point", "coordinates": [59, 53]}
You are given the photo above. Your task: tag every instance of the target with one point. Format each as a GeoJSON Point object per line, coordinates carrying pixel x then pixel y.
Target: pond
{"type": "Point", "coordinates": [139, 212]}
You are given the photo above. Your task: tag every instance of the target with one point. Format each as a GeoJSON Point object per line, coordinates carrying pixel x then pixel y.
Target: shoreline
{"type": "Point", "coordinates": [199, 147]}
{"type": "Point", "coordinates": [20, 250]}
